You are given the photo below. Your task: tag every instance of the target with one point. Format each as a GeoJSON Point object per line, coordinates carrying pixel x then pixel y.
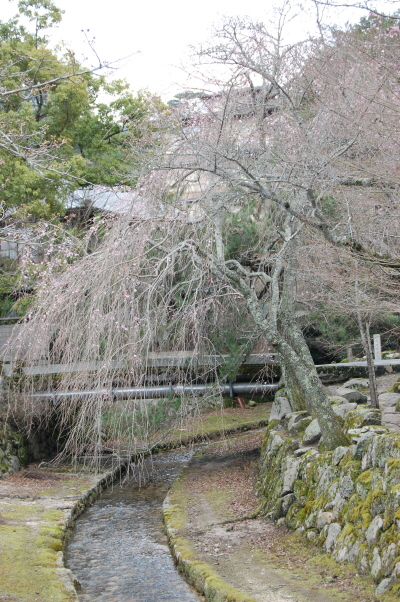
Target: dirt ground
{"type": "Point", "coordinates": [31, 482]}
{"type": "Point", "coordinates": [268, 563]}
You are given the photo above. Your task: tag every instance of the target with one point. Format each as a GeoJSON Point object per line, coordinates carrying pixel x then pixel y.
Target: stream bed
{"type": "Point", "coordinates": [118, 550]}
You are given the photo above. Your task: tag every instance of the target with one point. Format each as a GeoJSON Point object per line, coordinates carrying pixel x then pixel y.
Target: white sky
{"type": "Point", "coordinates": [157, 33]}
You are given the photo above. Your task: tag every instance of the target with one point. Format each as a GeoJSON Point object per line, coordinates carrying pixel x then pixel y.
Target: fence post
{"type": "Point", "coordinates": [377, 347]}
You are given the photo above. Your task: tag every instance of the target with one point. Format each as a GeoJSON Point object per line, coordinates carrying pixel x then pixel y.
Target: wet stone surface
{"type": "Point", "coordinates": [118, 551]}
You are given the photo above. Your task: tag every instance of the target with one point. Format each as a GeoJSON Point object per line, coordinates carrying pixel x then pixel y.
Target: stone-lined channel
{"type": "Point", "coordinates": [118, 550]}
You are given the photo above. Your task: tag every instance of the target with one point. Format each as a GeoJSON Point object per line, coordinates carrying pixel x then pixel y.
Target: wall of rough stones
{"type": "Point", "coordinates": [347, 500]}
{"type": "Point", "coordinates": [13, 453]}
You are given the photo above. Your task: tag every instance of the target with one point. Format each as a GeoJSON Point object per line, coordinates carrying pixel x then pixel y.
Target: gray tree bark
{"type": "Point", "coordinates": [302, 381]}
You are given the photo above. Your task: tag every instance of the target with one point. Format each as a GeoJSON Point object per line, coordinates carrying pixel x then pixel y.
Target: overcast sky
{"type": "Point", "coordinates": [155, 34]}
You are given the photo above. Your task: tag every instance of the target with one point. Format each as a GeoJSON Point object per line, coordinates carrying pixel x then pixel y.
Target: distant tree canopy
{"type": "Point", "coordinates": [61, 125]}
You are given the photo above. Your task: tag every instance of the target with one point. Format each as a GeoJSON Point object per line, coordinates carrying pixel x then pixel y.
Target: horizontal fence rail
{"type": "Point", "coordinates": [361, 364]}
{"type": "Point", "coordinates": [183, 359]}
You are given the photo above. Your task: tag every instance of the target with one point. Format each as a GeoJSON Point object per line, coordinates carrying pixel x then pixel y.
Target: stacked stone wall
{"type": "Point", "coordinates": [348, 500]}
{"type": "Point", "coordinates": [13, 453]}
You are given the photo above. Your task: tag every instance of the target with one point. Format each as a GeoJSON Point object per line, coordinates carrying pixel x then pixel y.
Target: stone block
{"type": "Point", "coordinates": [392, 504]}
{"type": "Point", "coordinates": [332, 391]}
{"type": "Point", "coordinates": [280, 408]}
{"type": "Point", "coordinates": [391, 419]}
{"type": "Point", "coordinates": [343, 409]}
{"type": "Point", "coordinates": [384, 586]}
{"type": "Point", "coordinates": [388, 399]}
{"type": "Point", "coordinates": [356, 383]}
{"type": "Point", "coordinates": [303, 450]}
{"type": "Point", "coordinates": [389, 555]}
{"type": "Point", "coordinates": [346, 487]}
{"type": "Point", "coordinates": [324, 518]}
{"type": "Point", "coordinates": [396, 571]}
{"type": "Point", "coordinates": [295, 417]}
{"type": "Point", "coordinates": [14, 464]}
{"type": "Point", "coordinates": [290, 475]}
{"type": "Point", "coordinates": [275, 441]}
{"type": "Point", "coordinates": [373, 530]}
{"type": "Point", "coordinates": [300, 425]}
{"type": "Point", "coordinates": [312, 434]}
{"type": "Point", "coordinates": [338, 454]}
{"type": "Point", "coordinates": [376, 565]}
{"type": "Point", "coordinates": [287, 501]}
{"type": "Point", "coordinates": [352, 395]}
{"type": "Point", "coordinates": [337, 399]}
{"type": "Point", "coordinates": [334, 530]}
{"type": "Point", "coordinates": [362, 417]}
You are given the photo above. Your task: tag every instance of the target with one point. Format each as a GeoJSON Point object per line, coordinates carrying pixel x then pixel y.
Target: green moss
{"type": "Point", "coordinates": [50, 536]}
{"type": "Point", "coordinates": [50, 543]}
{"type": "Point", "coordinates": [391, 535]}
{"type": "Point", "coordinates": [28, 561]}
{"type": "Point", "coordinates": [219, 423]}
{"type": "Point", "coordinates": [305, 512]}
{"type": "Point", "coordinates": [365, 479]}
{"type": "Point", "coordinates": [271, 426]}
{"type": "Point", "coordinates": [52, 531]}
{"type": "Point", "coordinates": [374, 504]}
{"type": "Point", "coordinates": [362, 417]}
{"type": "Point", "coordinates": [352, 469]}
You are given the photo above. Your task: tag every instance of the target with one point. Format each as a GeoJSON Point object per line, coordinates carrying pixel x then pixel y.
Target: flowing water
{"type": "Point", "coordinates": [118, 550]}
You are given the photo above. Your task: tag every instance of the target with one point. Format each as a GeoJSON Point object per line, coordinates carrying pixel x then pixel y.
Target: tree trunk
{"type": "Point", "coordinates": [293, 388]}
{"type": "Point", "coordinates": [310, 392]}
{"type": "Point", "coordinates": [298, 364]}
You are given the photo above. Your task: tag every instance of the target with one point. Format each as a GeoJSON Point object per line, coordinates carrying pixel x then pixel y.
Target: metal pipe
{"type": "Point", "coordinates": [153, 392]}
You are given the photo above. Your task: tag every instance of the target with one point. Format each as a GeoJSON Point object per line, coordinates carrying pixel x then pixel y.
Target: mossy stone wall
{"type": "Point", "coordinates": [13, 452]}
{"type": "Point", "coordinates": [348, 500]}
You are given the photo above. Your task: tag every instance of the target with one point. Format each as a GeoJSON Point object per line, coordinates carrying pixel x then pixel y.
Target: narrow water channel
{"type": "Point", "coordinates": [118, 550]}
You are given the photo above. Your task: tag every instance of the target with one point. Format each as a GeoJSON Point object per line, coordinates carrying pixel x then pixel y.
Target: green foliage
{"type": "Point", "coordinates": [7, 284]}
{"type": "Point", "coordinates": [242, 231]}
{"type": "Point", "coordinates": [230, 367]}
{"type": "Point", "coordinates": [147, 420]}
{"type": "Point", "coordinates": [372, 24]}
{"type": "Point", "coordinates": [329, 207]}
{"type": "Point", "coordinates": [330, 333]}
{"type": "Point", "coordinates": [337, 330]}
{"type": "Point", "coordinates": [184, 96]}
{"type": "Point", "coordinates": [61, 136]}
{"type": "Point", "coordinates": [44, 13]}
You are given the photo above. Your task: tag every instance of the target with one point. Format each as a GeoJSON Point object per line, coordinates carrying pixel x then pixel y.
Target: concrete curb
{"type": "Point", "coordinates": [198, 573]}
